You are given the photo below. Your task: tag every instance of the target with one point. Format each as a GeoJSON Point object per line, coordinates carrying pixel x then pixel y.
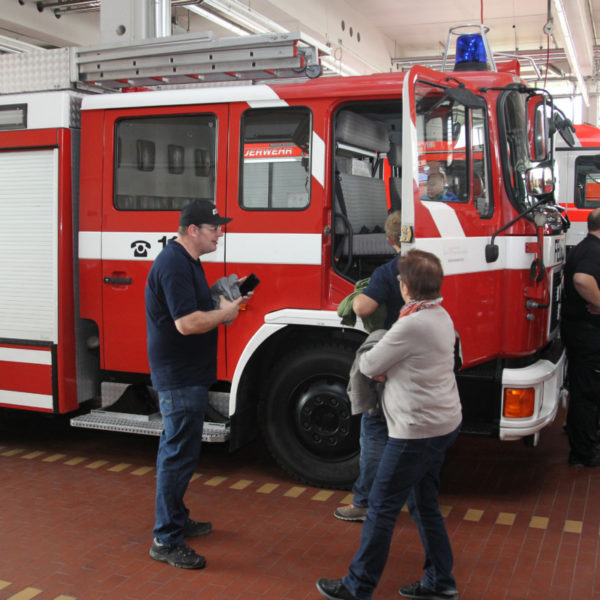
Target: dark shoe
{"type": "Point", "coordinates": [351, 513]}
{"type": "Point", "coordinates": [182, 557]}
{"type": "Point", "coordinates": [576, 460]}
{"type": "Point", "coordinates": [334, 589]}
{"type": "Point", "coordinates": [416, 590]}
{"type": "Point", "coordinates": [194, 528]}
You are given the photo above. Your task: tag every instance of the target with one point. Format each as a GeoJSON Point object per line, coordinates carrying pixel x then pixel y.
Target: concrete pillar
{"type": "Point", "coordinates": [590, 113]}
{"type": "Point", "coordinates": [130, 21]}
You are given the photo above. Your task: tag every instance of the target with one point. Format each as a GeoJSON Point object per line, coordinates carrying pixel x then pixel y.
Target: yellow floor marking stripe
{"type": "Point", "coordinates": [26, 594]}
{"type": "Point", "coordinates": [4, 584]}
{"type": "Point", "coordinates": [75, 461]}
{"type": "Point", "coordinates": [348, 499]}
{"type": "Point", "coordinates": [214, 481]}
{"type": "Point", "coordinates": [473, 514]}
{"type": "Point", "coordinates": [142, 470]}
{"type": "Point", "coordinates": [63, 597]}
{"type": "Point", "coordinates": [445, 509]}
{"type": "Point", "coordinates": [242, 484]}
{"type": "Point", "coordinates": [54, 457]}
{"type": "Point", "coordinates": [96, 464]}
{"type": "Point", "coordinates": [539, 522]}
{"type": "Point", "coordinates": [195, 476]}
{"type": "Point", "coordinates": [120, 467]}
{"type": "Point", "coordinates": [267, 488]}
{"type": "Point", "coordinates": [573, 526]}
{"type": "Point", "coordinates": [404, 508]}
{"type": "Point", "coordinates": [13, 452]}
{"type": "Point", "coordinates": [34, 454]}
{"type": "Point", "coordinates": [506, 518]}
{"type": "Point", "coordinates": [322, 496]}
{"type": "Point", "coordinates": [295, 492]}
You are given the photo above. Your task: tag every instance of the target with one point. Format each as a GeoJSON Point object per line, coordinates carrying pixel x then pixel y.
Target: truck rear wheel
{"type": "Point", "coordinates": [306, 417]}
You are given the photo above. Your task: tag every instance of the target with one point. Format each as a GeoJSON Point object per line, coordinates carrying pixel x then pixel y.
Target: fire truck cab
{"type": "Point", "coordinates": [308, 172]}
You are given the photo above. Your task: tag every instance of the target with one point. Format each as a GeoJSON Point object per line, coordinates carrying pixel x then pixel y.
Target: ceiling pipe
{"type": "Point", "coordinates": [82, 5]}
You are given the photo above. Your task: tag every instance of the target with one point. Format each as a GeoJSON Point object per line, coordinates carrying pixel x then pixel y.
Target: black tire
{"type": "Point", "coordinates": [306, 417]}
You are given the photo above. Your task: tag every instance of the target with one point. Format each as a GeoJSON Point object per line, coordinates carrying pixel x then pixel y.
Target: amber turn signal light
{"type": "Point", "coordinates": [518, 403]}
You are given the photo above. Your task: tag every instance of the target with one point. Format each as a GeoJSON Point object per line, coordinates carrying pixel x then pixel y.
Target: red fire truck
{"type": "Point", "coordinates": [578, 178]}
{"type": "Point", "coordinates": [91, 186]}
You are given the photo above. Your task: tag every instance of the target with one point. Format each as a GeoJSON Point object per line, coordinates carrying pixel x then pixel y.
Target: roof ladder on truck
{"type": "Point", "coordinates": [160, 62]}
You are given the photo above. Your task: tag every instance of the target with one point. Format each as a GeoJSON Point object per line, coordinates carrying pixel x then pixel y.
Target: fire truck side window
{"type": "Point", "coordinates": [162, 163]}
{"type": "Point", "coordinates": [587, 181]}
{"type": "Point", "coordinates": [275, 166]}
{"type": "Point", "coordinates": [453, 150]}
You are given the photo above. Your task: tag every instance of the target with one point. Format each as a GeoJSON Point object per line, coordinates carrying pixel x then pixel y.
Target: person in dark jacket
{"type": "Point", "coordinates": [382, 290]}
{"type": "Point", "coordinates": [581, 333]}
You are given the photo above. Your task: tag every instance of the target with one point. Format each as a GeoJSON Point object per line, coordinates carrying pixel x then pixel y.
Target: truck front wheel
{"type": "Point", "coordinates": [306, 417]}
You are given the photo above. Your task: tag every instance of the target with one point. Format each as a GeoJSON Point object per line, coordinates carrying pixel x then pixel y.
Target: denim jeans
{"type": "Point", "coordinates": [373, 436]}
{"type": "Point", "coordinates": [182, 412]}
{"type": "Point", "coordinates": [409, 471]}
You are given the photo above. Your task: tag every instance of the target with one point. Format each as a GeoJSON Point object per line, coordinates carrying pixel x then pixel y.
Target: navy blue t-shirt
{"type": "Point", "coordinates": [584, 258]}
{"type": "Point", "coordinates": [176, 287]}
{"type": "Point", "coordinates": [384, 288]}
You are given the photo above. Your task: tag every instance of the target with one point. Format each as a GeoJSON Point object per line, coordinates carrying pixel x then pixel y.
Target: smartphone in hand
{"type": "Point", "coordinates": [249, 284]}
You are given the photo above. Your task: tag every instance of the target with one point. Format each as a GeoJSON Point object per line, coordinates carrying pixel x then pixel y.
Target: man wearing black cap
{"type": "Point", "coordinates": [182, 349]}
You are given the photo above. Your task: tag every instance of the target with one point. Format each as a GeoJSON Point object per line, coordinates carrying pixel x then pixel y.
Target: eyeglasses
{"type": "Point", "coordinates": [211, 227]}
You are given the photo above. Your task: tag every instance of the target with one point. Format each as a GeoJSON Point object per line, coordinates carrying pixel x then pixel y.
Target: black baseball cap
{"type": "Point", "coordinates": [201, 211]}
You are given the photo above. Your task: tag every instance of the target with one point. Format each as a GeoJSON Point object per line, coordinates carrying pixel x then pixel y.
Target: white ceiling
{"type": "Point", "coordinates": [363, 34]}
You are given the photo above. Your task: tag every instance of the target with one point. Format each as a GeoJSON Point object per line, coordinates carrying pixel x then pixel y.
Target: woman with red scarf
{"type": "Point", "coordinates": [420, 402]}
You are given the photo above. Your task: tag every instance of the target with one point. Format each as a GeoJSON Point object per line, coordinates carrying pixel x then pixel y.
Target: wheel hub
{"type": "Point", "coordinates": [323, 419]}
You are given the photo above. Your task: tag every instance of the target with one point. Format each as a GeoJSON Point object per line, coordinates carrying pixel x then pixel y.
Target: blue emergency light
{"type": "Point", "coordinates": [470, 53]}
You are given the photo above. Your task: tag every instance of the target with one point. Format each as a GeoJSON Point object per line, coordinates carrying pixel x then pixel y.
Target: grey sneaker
{"type": "Point", "coordinates": [194, 528]}
{"type": "Point", "coordinates": [351, 513]}
{"type": "Point", "coordinates": [182, 557]}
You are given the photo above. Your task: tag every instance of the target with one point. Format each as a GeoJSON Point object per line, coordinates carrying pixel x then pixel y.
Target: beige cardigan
{"type": "Point", "coordinates": [420, 397]}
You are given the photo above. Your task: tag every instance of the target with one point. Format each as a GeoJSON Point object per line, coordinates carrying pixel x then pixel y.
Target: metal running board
{"type": "Point", "coordinates": [198, 58]}
{"type": "Point", "coordinates": [142, 424]}
{"type": "Point", "coordinates": [110, 418]}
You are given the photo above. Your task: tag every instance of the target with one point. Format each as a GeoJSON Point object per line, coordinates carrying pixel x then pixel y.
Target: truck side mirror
{"type": "Point", "coordinates": [491, 253]}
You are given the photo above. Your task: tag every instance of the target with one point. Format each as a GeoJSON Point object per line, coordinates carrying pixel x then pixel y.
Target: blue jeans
{"type": "Point", "coordinates": [182, 412]}
{"type": "Point", "coordinates": [409, 472]}
{"type": "Point", "coordinates": [373, 436]}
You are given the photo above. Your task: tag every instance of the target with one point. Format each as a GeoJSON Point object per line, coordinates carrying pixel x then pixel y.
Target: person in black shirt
{"type": "Point", "coordinates": [581, 334]}
{"type": "Point", "coordinates": [383, 288]}
{"type": "Point", "coordinates": [182, 349]}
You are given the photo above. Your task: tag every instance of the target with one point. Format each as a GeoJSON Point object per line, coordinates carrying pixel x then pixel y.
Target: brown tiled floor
{"type": "Point", "coordinates": [76, 513]}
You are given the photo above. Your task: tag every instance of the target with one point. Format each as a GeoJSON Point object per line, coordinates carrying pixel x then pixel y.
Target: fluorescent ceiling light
{"type": "Point", "coordinates": [240, 19]}
{"type": "Point", "coordinates": [245, 16]}
{"type": "Point", "coordinates": [8, 44]}
{"type": "Point", "coordinates": [570, 49]}
{"type": "Point", "coordinates": [217, 20]}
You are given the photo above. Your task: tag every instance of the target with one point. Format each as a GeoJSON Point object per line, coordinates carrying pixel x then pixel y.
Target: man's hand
{"type": "Point", "coordinates": [230, 308]}
{"type": "Point", "coordinates": [379, 378]}
{"type": "Point", "coordinates": [593, 309]}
